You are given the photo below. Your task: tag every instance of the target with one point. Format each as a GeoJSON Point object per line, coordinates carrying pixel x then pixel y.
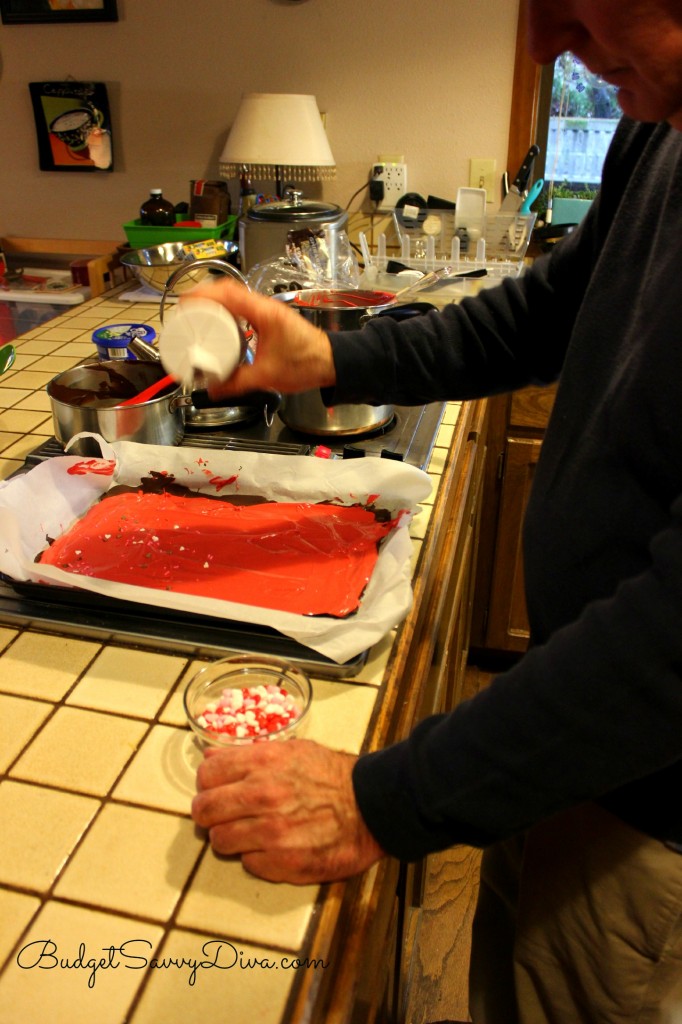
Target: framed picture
{"type": "Point", "coordinates": [73, 126]}
{"type": "Point", "coordinates": [26, 12]}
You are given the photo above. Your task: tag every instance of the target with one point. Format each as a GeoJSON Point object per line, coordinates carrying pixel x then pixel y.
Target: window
{"type": "Point", "coordinates": [578, 114]}
{"type": "Point", "coordinates": [568, 111]}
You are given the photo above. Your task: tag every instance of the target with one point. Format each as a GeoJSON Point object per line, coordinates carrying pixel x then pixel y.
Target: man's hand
{"type": "Point", "coordinates": [292, 355]}
{"type": "Point", "coordinates": [288, 808]}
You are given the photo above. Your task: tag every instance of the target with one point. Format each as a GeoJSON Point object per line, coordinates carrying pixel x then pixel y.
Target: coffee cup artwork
{"type": "Point", "coordinates": [73, 126]}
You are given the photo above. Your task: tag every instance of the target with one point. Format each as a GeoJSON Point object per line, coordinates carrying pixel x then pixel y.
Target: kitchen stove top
{"type": "Point", "coordinates": [409, 437]}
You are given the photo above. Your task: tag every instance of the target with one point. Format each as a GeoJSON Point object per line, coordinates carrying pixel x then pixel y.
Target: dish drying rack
{"type": "Point", "coordinates": [433, 241]}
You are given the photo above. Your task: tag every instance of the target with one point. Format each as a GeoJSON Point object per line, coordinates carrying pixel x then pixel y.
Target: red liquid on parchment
{"type": "Point", "coordinates": [311, 559]}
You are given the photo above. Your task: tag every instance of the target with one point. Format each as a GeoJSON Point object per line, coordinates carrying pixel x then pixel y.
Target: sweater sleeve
{"type": "Point", "coordinates": [594, 708]}
{"type": "Point", "coordinates": [593, 711]}
{"type": "Point", "coordinates": [504, 338]}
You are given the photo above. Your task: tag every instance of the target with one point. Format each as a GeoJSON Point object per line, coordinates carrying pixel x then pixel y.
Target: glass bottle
{"type": "Point", "coordinates": [157, 210]}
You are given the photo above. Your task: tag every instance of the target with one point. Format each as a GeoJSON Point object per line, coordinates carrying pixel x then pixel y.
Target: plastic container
{"type": "Point", "coordinates": [243, 677]}
{"type": "Point", "coordinates": [37, 297]}
{"type": "Point", "coordinates": [569, 211]}
{"type": "Point", "coordinates": [140, 235]}
{"type": "Point", "coordinates": [201, 335]}
{"type": "Point", "coordinates": [112, 340]}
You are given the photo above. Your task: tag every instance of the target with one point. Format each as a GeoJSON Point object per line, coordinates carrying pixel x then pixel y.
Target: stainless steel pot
{"type": "Point", "coordinates": [334, 310]}
{"type": "Point", "coordinates": [87, 399]}
{"type": "Point", "coordinates": [337, 309]}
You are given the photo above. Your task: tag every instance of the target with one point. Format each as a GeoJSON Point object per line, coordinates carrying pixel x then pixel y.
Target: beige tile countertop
{"type": "Point", "coordinates": [113, 909]}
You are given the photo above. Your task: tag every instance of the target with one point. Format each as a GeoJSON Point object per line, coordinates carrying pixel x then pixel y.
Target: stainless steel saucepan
{"type": "Point", "coordinates": [349, 310]}
{"type": "Point", "coordinates": [89, 397]}
{"type": "Point", "coordinates": [333, 310]}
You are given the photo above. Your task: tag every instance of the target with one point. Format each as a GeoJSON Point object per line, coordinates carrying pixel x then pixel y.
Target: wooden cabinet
{"type": "Point", "coordinates": [517, 425]}
{"type": "Point", "coordinates": [507, 621]}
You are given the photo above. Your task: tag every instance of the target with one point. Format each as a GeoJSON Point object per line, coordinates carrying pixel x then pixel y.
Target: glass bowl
{"type": "Point", "coordinates": [247, 699]}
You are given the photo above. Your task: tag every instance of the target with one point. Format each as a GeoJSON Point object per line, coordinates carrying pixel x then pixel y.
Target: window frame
{"type": "Point", "coordinates": [526, 107]}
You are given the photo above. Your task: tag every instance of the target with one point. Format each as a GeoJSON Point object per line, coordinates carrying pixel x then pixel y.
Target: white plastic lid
{"type": "Point", "coordinates": [202, 335]}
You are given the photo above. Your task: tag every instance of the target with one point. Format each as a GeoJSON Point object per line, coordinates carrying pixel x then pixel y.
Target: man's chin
{"type": "Point", "coordinates": [647, 109]}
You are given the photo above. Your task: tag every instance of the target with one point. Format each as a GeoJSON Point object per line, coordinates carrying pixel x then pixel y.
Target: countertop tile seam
{"type": "Point", "coordinates": [157, 718]}
{"type": "Point", "coordinates": [6, 774]}
{"type": "Point", "coordinates": [53, 787]}
{"type": "Point", "coordinates": [63, 788]}
{"type": "Point", "coordinates": [172, 923]}
{"type": "Point", "coordinates": [81, 905]}
{"type": "Point", "coordinates": [102, 909]}
{"type": "Point", "coordinates": [66, 701]}
{"type": "Point", "coordinates": [191, 664]}
{"type": "Point", "coordinates": [146, 806]}
{"type": "Point", "coordinates": [202, 933]}
{"type": "Point", "coordinates": [27, 697]}
{"type": "Point", "coordinates": [150, 723]}
{"type": "Point", "coordinates": [26, 931]}
{"type": "Point", "coordinates": [41, 700]}
{"type": "Point", "coordinates": [28, 631]}
{"type": "Point", "coordinates": [48, 895]}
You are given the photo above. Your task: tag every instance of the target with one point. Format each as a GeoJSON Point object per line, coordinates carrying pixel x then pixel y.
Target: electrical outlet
{"type": "Point", "coordinates": [394, 178]}
{"type": "Point", "coordinates": [482, 175]}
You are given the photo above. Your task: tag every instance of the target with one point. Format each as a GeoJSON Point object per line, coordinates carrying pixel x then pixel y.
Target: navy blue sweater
{"type": "Point", "coordinates": [594, 709]}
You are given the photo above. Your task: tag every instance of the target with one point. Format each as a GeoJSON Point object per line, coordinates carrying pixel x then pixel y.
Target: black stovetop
{"type": "Point", "coordinates": [409, 437]}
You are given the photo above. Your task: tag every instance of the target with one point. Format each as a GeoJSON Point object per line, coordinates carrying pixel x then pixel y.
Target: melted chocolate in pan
{"type": "Point", "coordinates": [105, 384]}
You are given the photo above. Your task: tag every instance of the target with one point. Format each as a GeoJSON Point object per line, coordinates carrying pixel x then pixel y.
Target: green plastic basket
{"type": "Point", "coordinates": [141, 236]}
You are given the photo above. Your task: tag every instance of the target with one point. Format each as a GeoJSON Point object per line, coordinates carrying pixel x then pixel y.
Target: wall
{"type": "Point", "coordinates": [430, 81]}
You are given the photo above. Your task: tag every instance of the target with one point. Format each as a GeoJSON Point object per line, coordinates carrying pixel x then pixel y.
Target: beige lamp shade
{"type": "Point", "coordinates": [278, 134]}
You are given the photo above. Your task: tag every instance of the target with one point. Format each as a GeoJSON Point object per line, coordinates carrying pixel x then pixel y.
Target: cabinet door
{"type": "Point", "coordinates": [531, 408]}
{"type": "Point", "coordinates": [507, 627]}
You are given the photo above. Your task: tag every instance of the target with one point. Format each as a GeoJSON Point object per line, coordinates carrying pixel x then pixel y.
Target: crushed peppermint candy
{"type": "Point", "coordinates": [250, 712]}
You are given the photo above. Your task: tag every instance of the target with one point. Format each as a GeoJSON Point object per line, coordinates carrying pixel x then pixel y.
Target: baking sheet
{"type": "Point", "coordinates": [46, 500]}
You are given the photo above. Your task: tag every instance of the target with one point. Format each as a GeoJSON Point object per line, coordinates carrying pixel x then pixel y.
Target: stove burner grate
{"type": "Point", "coordinates": [216, 442]}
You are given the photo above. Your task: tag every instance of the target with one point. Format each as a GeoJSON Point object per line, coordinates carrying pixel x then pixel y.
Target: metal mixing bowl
{"type": "Point", "coordinates": [153, 266]}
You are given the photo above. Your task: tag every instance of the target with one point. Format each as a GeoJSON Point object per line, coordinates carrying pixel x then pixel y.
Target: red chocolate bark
{"type": "Point", "coordinates": [311, 559]}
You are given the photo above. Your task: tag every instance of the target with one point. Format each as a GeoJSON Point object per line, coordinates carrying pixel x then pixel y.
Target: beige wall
{"type": "Point", "coordinates": [429, 80]}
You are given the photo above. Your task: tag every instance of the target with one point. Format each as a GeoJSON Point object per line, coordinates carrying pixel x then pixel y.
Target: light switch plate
{"type": "Point", "coordinates": [482, 174]}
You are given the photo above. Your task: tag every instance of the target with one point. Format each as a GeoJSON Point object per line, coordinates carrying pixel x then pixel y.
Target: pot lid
{"type": "Point", "coordinates": [307, 209]}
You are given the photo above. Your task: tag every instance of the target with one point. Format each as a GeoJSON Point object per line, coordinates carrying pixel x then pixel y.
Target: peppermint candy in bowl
{"type": "Point", "coordinates": [247, 699]}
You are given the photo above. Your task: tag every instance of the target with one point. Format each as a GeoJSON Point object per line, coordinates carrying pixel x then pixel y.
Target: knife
{"type": "Point", "coordinates": [532, 194]}
{"type": "Point", "coordinates": [516, 194]}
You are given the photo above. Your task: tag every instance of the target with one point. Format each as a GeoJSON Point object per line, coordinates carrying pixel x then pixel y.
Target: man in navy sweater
{"type": "Point", "coordinates": [567, 770]}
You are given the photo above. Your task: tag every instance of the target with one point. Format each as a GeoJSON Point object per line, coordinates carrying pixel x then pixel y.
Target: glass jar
{"type": "Point", "coordinates": [157, 210]}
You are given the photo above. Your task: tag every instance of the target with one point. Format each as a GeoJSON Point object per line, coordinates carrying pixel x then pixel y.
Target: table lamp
{"type": "Point", "coordinates": [278, 135]}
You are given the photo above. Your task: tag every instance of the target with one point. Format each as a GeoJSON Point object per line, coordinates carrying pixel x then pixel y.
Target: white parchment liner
{"type": "Point", "coordinates": [48, 498]}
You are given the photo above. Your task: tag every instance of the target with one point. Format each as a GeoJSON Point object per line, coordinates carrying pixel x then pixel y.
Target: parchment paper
{"type": "Point", "coordinates": [46, 500]}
